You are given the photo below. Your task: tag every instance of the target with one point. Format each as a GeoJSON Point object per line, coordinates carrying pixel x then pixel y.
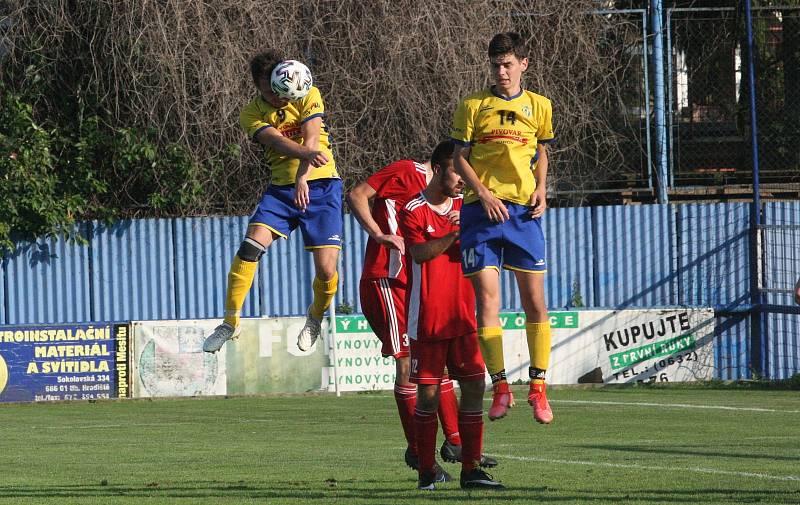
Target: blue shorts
{"type": "Point", "coordinates": [516, 244]}
{"type": "Point", "coordinates": [320, 224]}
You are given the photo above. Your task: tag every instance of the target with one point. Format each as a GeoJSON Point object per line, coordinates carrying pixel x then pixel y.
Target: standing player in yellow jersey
{"type": "Point", "coordinates": [502, 134]}
{"type": "Point", "coordinates": [305, 191]}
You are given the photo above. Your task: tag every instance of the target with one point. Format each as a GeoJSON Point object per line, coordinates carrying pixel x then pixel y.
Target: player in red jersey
{"type": "Point", "coordinates": [441, 322]}
{"type": "Point", "coordinates": [376, 203]}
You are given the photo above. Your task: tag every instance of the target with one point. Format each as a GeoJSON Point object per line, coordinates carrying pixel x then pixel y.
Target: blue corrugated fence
{"type": "Point", "coordinates": [599, 257]}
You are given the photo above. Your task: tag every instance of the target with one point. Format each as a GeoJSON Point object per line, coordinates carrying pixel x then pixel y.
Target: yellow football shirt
{"type": "Point", "coordinates": [502, 134]}
{"type": "Point", "coordinates": [258, 115]}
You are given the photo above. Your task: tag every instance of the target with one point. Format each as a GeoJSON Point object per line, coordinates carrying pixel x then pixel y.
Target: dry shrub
{"type": "Point", "coordinates": [391, 73]}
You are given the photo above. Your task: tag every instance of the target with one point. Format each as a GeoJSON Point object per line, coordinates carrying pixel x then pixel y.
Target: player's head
{"type": "Point", "coordinates": [508, 61]}
{"type": "Point", "coordinates": [444, 173]}
{"type": "Point", "coordinates": [261, 66]}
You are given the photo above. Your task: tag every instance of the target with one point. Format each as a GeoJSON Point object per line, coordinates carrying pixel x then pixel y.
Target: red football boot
{"type": "Point", "coordinates": [537, 398]}
{"type": "Point", "coordinates": [502, 400]}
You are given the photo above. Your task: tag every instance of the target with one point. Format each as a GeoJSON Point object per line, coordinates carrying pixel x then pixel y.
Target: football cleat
{"type": "Point", "coordinates": [309, 334]}
{"type": "Point", "coordinates": [441, 474]}
{"type": "Point", "coordinates": [427, 481]}
{"type": "Point", "coordinates": [478, 479]}
{"type": "Point", "coordinates": [452, 454]}
{"type": "Point", "coordinates": [537, 398]}
{"type": "Point", "coordinates": [502, 400]}
{"type": "Point", "coordinates": [220, 335]}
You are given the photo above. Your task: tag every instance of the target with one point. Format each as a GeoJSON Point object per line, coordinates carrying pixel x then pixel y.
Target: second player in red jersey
{"type": "Point", "coordinates": [376, 204]}
{"type": "Point", "coordinates": [442, 328]}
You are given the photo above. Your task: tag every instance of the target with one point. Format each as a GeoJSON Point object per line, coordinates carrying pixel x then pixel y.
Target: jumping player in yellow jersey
{"type": "Point", "coordinates": [305, 191]}
{"type": "Point", "coordinates": [502, 133]}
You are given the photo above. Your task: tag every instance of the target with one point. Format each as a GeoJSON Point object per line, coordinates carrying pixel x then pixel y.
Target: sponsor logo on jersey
{"type": "Point", "coordinates": [430, 229]}
{"type": "Point", "coordinates": [526, 110]}
{"type": "Point", "coordinates": [335, 237]}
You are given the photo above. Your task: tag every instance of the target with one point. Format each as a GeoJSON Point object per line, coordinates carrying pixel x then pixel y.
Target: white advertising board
{"type": "Point", "coordinates": [588, 347]}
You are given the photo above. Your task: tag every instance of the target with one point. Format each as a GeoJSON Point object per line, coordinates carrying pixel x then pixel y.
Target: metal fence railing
{"type": "Point", "coordinates": [709, 104]}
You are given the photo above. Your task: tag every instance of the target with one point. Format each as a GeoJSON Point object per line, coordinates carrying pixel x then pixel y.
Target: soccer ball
{"type": "Point", "coordinates": [291, 80]}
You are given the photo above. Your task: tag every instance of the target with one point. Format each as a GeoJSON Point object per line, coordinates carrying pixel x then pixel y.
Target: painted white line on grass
{"type": "Point", "coordinates": [696, 469]}
{"type": "Point", "coordinates": [146, 425]}
{"type": "Point", "coordinates": [678, 405]}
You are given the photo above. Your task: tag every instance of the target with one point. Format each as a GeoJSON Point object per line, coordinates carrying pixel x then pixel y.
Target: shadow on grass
{"type": "Point", "coordinates": [686, 452]}
{"type": "Point", "coordinates": [375, 491]}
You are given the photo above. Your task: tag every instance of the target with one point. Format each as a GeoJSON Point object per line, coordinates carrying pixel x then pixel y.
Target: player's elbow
{"type": "Point", "coordinates": [353, 198]}
{"type": "Point", "coordinates": [417, 255]}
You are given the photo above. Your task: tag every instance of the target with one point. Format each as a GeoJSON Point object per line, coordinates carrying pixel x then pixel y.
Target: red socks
{"type": "Point", "coordinates": [471, 426]}
{"type": "Point", "coordinates": [406, 398]}
{"type": "Point", "coordinates": [448, 411]}
{"type": "Point", "coordinates": [426, 425]}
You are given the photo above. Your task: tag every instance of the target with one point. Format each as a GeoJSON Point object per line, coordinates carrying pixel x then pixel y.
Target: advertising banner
{"type": "Point", "coordinates": [169, 359]}
{"type": "Point", "coordinates": [627, 346]}
{"type": "Point", "coordinates": [588, 346]}
{"type": "Point", "coordinates": [63, 362]}
{"type": "Point", "coordinates": [359, 364]}
{"type": "Point", "coordinates": [361, 367]}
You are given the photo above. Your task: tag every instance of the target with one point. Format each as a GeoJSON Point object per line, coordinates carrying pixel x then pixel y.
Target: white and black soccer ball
{"type": "Point", "coordinates": [291, 80]}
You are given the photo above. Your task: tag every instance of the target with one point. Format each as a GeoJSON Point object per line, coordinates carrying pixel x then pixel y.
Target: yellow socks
{"type": "Point", "coordinates": [490, 339]}
{"type": "Point", "coordinates": [539, 349]}
{"type": "Point", "coordinates": [323, 294]}
{"type": "Point", "coordinates": [240, 278]}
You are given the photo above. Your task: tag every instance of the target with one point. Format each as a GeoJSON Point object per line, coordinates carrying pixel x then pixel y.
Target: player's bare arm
{"type": "Point", "coordinates": [360, 200]}
{"type": "Point", "coordinates": [272, 138]}
{"type": "Point", "coordinates": [492, 205]}
{"type": "Point", "coordinates": [310, 131]}
{"type": "Point", "coordinates": [539, 196]}
{"type": "Point", "coordinates": [426, 251]}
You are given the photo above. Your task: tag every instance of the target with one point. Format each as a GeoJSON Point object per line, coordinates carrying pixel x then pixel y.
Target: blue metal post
{"type": "Point", "coordinates": [757, 352]}
{"type": "Point", "coordinates": [670, 98]}
{"type": "Point", "coordinates": [659, 98]}
{"type": "Point", "coordinates": [647, 102]}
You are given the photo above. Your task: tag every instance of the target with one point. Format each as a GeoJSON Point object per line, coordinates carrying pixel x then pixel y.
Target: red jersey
{"type": "Point", "coordinates": [394, 185]}
{"type": "Point", "coordinates": [440, 300]}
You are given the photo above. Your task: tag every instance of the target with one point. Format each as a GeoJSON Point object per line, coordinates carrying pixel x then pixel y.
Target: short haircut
{"type": "Point", "coordinates": [262, 64]}
{"type": "Point", "coordinates": [442, 153]}
{"type": "Point", "coordinates": [505, 43]}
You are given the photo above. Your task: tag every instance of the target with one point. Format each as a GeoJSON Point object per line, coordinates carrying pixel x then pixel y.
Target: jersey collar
{"type": "Point", "coordinates": [498, 95]}
{"type": "Point", "coordinates": [444, 211]}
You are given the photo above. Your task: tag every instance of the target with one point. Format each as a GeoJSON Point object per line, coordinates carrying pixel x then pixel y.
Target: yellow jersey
{"type": "Point", "coordinates": [502, 134]}
{"type": "Point", "coordinates": [258, 115]}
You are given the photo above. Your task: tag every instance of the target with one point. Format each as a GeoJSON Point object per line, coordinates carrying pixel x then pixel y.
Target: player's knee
{"type": "Point", "coordinates": [428, 397]}
{"type": "Point", "coordinates": [487, 302]}
{"type": "Point", "coordinates": [326, 273]}
{"type": "Point", "coordinates": [473, 387]}
{"type": "Point", "coordinates": [472, 394]}
{"type": "Point", "coordinates": [536, 312]}
{"type": "Point", "coordinates": [250, 250]}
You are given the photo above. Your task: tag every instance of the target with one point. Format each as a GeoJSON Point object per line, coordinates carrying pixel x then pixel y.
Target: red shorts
{"type": "Point", "coordinates": [461, 355]}
{"type": "Point", "coordinates": [383, 304]}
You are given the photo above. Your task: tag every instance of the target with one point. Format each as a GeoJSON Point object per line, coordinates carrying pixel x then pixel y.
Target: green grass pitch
{"type": "Point", "coordinates": [606, 446]}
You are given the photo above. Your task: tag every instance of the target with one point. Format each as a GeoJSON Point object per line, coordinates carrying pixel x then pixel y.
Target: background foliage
{"type": "Point", "coordinates": [131, 108]}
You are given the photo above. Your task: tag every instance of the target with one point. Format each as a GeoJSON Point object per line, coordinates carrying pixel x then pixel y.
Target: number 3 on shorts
{"type": "Point", "coordinates": [468, 258]}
